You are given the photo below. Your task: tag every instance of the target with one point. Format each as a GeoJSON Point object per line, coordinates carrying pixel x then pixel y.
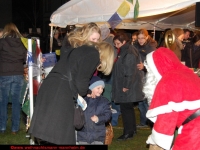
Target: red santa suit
{"type": "Point", "coordinates": [176, 97]}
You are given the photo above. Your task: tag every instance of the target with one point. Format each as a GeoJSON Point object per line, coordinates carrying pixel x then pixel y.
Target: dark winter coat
{"type": "Point", "coordinates": [53, 115]}
{"type": "Point", "coordinates": [65, 46]}
{"type": "Point", "coordinates": [191, 55]}
{"type": "Point", "coordinates": [91, 131]}
{"type": "Point", "coordinates": [127, 75]}
{"type": "Point", "coordinates": [148, 47]}
{"type": "Point", "coordinates": [12, 56]}
{"type": "Point", "coordinates": [55, 45]}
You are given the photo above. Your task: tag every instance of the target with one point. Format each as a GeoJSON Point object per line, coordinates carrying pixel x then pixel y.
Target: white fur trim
{"type": "Point", "coordinates": [191, 105]}
{"type": "Point", "coordinates": [152, 65]}
{"type": "Point", "coordinates": [160, 139]}
{"type": "Point", "coordinates": [180, 129]}
{"type": "Point", "coordinates": [150, 140]}
{"type": "Point", "coordinates": [172, 106]}
{"type": "Point", "coordinates": [152, 113]}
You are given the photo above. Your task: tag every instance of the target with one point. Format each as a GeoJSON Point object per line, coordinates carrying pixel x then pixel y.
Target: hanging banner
{"type": "Point", "coordinates": [123, 9]}
{"type": "Point", "coordinates": [136, 10]}
{"type": "Point", "coordinates": [105, 31]}
{"type": "Point", "coordinates": [114, 20]}
{"type": "Point", "coordinates": [131, 1]}
{"type": "Point", "coordinates": [25, 42]}
{"type": "Point", "coordinates": [30, 58]}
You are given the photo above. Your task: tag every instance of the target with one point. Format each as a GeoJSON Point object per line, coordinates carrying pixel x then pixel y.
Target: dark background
{"type": "Point", "coordinates": [29, 13]}
{"type": "Point", "coordinates": [34, 14]}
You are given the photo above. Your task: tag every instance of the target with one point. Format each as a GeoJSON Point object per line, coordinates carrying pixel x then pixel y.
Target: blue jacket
{"type": "Point", "coordinates": [91, 131]}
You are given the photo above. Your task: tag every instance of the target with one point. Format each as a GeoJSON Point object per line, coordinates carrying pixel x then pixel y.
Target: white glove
{"type": "Point", "coordinates": [81, 102]}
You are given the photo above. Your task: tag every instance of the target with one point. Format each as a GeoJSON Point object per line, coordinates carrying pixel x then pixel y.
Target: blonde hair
{"type": "Point", "coordinates": [106, 52]}
{"type": "Point", "coordinates": [81, 36]}
{"type": "Point", "coordinates": [11, 29]}
{"type": "Point", "coordinates": [177, 32]}
{"type": "Point", "coordinates": [177, 46]}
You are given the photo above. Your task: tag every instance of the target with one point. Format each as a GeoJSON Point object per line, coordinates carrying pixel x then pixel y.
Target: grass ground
{"type": "Point", "coordinates": [136, 143]}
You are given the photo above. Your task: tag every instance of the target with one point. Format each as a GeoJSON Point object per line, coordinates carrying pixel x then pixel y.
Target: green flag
{"type": "Point", "coordinates": [131, 1]}
{"type": "Point", "coordinates": [136, 9]}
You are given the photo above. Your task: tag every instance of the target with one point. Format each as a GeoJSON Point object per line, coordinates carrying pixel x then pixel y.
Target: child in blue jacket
{"type": "Point", "coordinates": [97, 113]}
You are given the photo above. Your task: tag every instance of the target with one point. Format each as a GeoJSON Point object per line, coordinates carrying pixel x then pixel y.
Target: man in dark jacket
{"type": "Point", "coordinates": [127, 83]}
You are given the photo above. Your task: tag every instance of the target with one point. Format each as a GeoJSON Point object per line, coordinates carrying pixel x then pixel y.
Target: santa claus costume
{"type": "Point", "coordinates": [175, 99]}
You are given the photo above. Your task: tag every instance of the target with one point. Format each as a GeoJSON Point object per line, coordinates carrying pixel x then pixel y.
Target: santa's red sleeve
{"type": "Point", "coordinates": [163, 130]}
{"type": "Point", "coordinates": [171, 97]}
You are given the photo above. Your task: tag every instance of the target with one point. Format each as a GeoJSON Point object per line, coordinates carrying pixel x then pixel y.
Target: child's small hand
{"type": "Point", "coordinates": [43, 59]}
{"type": "Point", "coordinates": [95, 119]}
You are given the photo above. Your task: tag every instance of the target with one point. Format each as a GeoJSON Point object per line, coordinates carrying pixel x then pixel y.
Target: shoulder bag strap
{"type": "Point", "coordinates": [70, 76]}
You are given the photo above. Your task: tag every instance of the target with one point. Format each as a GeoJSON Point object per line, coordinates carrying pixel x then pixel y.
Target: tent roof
{"type": "Point", "coordinates": [160, 14]}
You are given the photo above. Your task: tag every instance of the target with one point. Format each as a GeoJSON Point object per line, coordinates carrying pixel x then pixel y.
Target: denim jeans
{"type": "Point", "coordinates": [93, 143]}
{"type": "Point", "coordinates": [115, 116]}
{"type": "Point", "coordinates": [143, 107]}
{"type": "Point", "coordinates": [10, 86]}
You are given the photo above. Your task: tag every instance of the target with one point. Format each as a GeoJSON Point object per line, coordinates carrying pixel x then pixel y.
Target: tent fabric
{"type": "Point", "coordinates": [152, 13]}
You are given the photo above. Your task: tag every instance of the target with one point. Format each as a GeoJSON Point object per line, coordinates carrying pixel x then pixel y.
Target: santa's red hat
{"type": "Point", "coordinates": [162, 61]}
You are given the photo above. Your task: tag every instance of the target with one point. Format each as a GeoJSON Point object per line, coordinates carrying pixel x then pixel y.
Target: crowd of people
{"type": "Point", "coordinates": [113, 74]}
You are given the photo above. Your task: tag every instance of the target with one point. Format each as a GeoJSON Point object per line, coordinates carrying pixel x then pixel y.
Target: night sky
{"type": "Point", "coordinates": [34, 13]}
{"type": "Point", "coordinates": [27, 13]}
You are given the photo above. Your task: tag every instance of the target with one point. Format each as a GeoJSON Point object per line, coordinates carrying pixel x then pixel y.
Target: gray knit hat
{"type": "Point", "coordinates": [96, 81]}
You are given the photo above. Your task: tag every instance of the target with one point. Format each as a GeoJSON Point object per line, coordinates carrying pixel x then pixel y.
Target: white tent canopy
{"type": "Point", "coordinates": [159, 14]}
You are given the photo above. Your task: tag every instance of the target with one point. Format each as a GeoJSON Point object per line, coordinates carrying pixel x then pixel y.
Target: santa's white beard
{"type": "Point", "coordinates": [150, 84]}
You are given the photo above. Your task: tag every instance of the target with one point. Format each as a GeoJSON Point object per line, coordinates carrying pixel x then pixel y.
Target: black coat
{"type": "Point", "coordinates": [65, 46]}
{"type": "Point", "coordinates": [145, 49]}
{"type": "Point", "coordinates": [53, 115]}
{"type": "Point", "coordinates": [12, 56]}
{"type": "Point", "coordinates": [91, 131]}
{"type": "Point", "coordinates": [191, 55]}
{"type": "Point", "coordinates": [126, 75]}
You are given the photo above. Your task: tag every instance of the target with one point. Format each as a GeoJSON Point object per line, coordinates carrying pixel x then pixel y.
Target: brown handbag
{"type": "Point", "coordinates": [109, 134]}
{"type": "Point", "coordinates": [79, 118]}
{"type": "Point", "coordinates": [155, 147]}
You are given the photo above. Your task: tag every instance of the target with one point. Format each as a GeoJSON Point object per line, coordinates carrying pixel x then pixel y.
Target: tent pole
{"type": "Point", "coordinates": [188, 26]}
{"type": "Point", "coordinates": [170, 15]}
{"type": "Point", "coordinates": [30, 81]}
{"type": "Point", "coordinates": [154, 32]}
{"type": "Point", "coordinates": [38, 61]}
{"type": "Point", "coordinates": [51, 39]}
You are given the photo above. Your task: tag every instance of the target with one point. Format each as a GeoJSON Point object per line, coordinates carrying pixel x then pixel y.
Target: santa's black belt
{"type": "Point", "coordinates": [192, 117]}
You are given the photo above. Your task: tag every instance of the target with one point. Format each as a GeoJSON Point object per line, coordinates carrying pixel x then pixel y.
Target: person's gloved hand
{"type": "Point", "coordinates": [81, 102]}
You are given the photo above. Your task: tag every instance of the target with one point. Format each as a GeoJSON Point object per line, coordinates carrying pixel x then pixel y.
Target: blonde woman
{"type": "Point", "coordinates": [54, 112]}
{"type": "Point", "coordinates": [12, 56]}
{"type": "Point", "coordinates": [177, 46]}
{"type": "Point", "coordinates": [1, 32]}
{"type": "Point", "coordinates": [78, 37]}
